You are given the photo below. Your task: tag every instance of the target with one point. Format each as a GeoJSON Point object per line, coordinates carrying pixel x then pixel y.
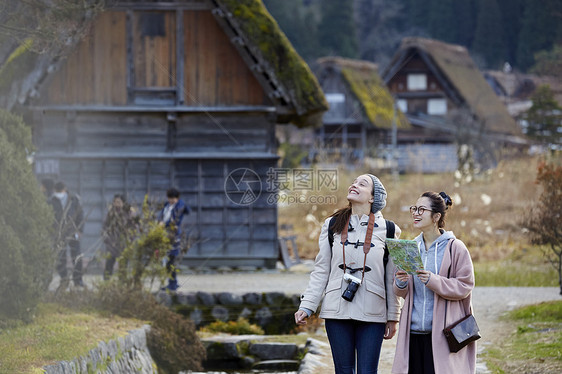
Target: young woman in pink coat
{"type": "Point", "coordinates": [421, 346]}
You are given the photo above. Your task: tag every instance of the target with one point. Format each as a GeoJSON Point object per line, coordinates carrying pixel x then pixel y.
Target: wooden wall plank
{"type": "Point", "coordinates": [214, 72]}
{"type": "Point", "coordinates": [95, 72]}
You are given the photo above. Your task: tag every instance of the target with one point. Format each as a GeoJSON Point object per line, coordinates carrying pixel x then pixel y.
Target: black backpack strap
{"type": "Point", "coordinates": [390, 232]}
{"type": "Point", "coordinates": [331, 231]}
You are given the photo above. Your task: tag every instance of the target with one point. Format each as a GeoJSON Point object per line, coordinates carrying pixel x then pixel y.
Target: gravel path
{"type": "Point", "coordinates": [489, 303]}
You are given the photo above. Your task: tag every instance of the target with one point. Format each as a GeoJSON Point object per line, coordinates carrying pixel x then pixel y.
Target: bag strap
{"type": "Point", "coordinates": [448, 276]}
{"type": "Point", "coordinates": [331, 231]}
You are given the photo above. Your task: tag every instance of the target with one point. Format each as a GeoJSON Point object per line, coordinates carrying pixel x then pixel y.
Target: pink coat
{"type": "Point", "coordinates": [458, 290]}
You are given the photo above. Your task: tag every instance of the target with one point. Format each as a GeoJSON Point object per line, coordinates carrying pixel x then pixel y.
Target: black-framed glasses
{"type": "Point", "coordinates": [419, 209]}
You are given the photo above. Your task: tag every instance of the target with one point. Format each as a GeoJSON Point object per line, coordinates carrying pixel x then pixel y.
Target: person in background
{"type": "Point", "coordinates": [69, 226]}
{"type": "Point", "coordinates": [47, 187]}
{"type": "Point", "coordinates": [356, 321]}
{"type": "Point", "coordinates": [421, 346]}
{"type": "Point", "coordinates": [171, 216]}
{"type": "Point", "coordinates": [116, 231]}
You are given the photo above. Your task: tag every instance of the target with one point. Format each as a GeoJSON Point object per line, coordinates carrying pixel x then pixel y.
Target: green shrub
{"type": "Point", "coordinates": [240, 327]}
{"type": "Point", "coordinates": [172, 341]}
{"type": "Point", "coordinates": [142, 258]}
{"type": "Point", "coordinates": [25, 224]}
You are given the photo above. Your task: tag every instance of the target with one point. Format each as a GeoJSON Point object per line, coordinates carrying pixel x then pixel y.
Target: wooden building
{"type": "Point", "coordinates": [360, 120]}
{"type": "Point", "coordinates": [448, 102]}
{"type": "Point", "coordinates": [181, 93]}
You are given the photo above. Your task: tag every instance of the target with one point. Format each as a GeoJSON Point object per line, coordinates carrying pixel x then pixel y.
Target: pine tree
{"type": "Point", "coordinates": [511, 13]}
{"type": "Point", "coordinates": [26, 251]}
{"type": "Point", "coordinates": [488, 37]}
{"type": "Point", "coordinates": [379, 23]}
{"type": "Point", "coordinates": [465, 19]}
{"type": "Point", "coordinates": [541, 25]}
{"type": "Point", "coordinates": [337, 34]}
{"type": "Point", "coordinates": [298, 24]}
{"type": "Point", "coordinates": [544, 118]}
{"type": "Point", "coordinates": [441, 20]}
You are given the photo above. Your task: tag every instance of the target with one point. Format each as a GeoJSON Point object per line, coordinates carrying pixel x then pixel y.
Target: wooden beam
{"type": "Point", "coordinates": [145, 5]}
{"type": "Point", "coordinates": [130, 56]}
{"type": "Point", "coordinates": [156, 109]}
{"type": "Point", "coordinates": [180, 51]}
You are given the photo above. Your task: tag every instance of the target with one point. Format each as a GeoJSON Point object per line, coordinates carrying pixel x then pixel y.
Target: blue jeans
{"type": "Point", "coordinates": [347, 337]}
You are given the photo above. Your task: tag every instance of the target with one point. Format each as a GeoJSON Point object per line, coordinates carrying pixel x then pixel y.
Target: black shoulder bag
{"type": "Point", "coordinates": [465, 330]}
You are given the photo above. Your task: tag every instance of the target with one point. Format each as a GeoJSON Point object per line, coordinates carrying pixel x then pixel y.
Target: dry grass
{"type": "Point", "coordinates": [487, 213]}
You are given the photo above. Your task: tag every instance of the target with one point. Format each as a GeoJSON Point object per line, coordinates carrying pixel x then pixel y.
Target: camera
{"type": "Point", "coordinates": [352, 287]}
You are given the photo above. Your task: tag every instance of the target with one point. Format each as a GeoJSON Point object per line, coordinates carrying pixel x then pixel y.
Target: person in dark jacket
{"type": "Point", "coordinates": [172, 216]}
{"type": "Point", "coordinates": [69, 225]}
{"type": "Point", "coordinates": [117, 227]}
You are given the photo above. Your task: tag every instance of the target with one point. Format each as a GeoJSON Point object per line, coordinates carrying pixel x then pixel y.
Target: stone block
{"type": "Point", "coordinates": [275, 298]}
{"type": "Point", "coordinates": [263, 316]}
{"type": "Point", "coordinates": [227, 298]}
{"type": "Point", "coordinates": [274, 351]}
{"type": "Point", "coordinates": [206, 298]}
{"type": "Point", "coordinates": [253, 298]}
{"type": "Point", "coordinates": [220, 313]}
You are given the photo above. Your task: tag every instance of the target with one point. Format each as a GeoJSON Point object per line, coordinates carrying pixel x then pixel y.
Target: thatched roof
{"type": "Point", "coordinates": [454, 65]}
{"type": "Point", "coordinates": [364, 82]}
{"type": "Point", "coordinates": [22, 70]}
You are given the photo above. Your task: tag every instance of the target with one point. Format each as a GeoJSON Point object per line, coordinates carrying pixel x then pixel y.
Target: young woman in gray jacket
{"type": "Point", "coordinates": [349, 277]}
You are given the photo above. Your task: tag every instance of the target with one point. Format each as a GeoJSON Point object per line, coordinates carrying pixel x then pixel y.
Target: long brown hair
{"type": "Point", "coordinates": [342, 216]}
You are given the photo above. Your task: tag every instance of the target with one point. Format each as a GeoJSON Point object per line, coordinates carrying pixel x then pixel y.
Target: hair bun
{"type": "Point", "coordinates": [446, 198]}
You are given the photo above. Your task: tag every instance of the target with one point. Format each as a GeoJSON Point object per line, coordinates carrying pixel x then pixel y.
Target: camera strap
{"type": "Point", "coordinates": [366, 242]}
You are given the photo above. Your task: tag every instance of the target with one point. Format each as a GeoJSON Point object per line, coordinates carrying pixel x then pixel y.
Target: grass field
{"type": "Point", "coordinates": [536, 347]}
{"type": "Point", "coordinates": [57, 334]}
{"type": "Point", "coordinates": [488, 215]}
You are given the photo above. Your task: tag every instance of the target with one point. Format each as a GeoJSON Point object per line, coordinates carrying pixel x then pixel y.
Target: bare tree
{"type": "Point", "coordinates": [50, 25]}
{"type": "Point", "coordinates": [543, 220]}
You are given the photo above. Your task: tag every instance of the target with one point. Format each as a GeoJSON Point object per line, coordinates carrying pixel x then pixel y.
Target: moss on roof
{"type": "Point", "coordinates": [459, 68]}
{"type": "Point", "coordinates": [269, 43]}
{"type": "Point", "coordinates": [365, 83]}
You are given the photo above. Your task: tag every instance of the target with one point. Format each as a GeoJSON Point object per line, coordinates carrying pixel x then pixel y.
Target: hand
{"type": "Point", "coordinates": [402, 275]}
{"type": "Point", "coordinates": [390, 329]}
{"type": "Point", "coordinates": [300, 317]}
{"type": "Point", "coordinates": [424, 275]}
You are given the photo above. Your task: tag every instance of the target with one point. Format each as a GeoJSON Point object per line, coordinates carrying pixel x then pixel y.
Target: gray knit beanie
{"type": "Point", "coordinates": [379, 195]}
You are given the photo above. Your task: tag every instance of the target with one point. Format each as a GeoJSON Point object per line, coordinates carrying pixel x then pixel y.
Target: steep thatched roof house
{"type": "Point", "coordinates": [360, 120]}
{"type": "Point", "coordinates": [447, 100]}
{"type": "Point", "coordinates": [181, 93]}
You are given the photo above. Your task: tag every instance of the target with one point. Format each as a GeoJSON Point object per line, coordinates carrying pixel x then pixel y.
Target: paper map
{"type": "Point", "coordinates": [405, 254]}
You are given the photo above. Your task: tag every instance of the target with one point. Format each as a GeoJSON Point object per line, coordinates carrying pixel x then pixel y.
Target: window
{"type": "Point", "coordinates": [337, 106]}
{"type": "Point", "coordinates": [153, 58]}
{"type": "Point", "coordinates": [334, 98]}
{"type": "Point", "coordinates": [402, 104]}
{"type": "Point", "coordinates": [437, 106]}
{"type": "Point", "coordinates": [417, 82]}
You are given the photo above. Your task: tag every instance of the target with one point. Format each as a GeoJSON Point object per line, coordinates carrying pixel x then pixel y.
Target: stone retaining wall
{"type": "Point", "coordinates": [127, 354]}
{"type": "Point", "coordinates": [272, 311]}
